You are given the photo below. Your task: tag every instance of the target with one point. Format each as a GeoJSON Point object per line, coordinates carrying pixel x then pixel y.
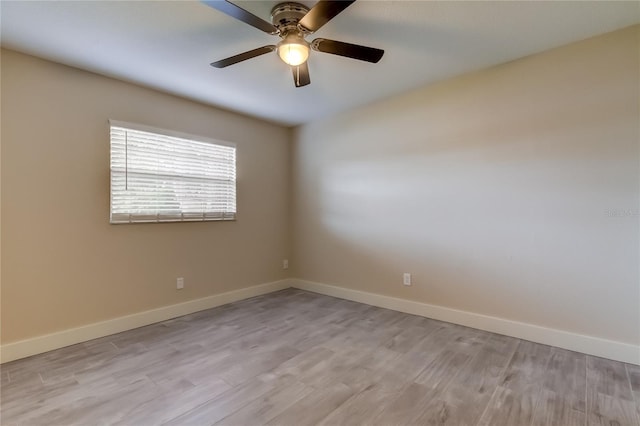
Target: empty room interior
{"type": "Point", "coordinates": [320, 213]}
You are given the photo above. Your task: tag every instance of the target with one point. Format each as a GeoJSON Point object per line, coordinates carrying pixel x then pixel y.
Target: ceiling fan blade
{"type": "Point", "coordinates": [239, 13]}
{"type": "Point", "coordinates": [323, 12]}
{"type": "Point", "coordinates": [301, 75]}
{"type": "Point", "coordinates": [355, 51]}
{"type": "Point", "coordinates": [243, 56]}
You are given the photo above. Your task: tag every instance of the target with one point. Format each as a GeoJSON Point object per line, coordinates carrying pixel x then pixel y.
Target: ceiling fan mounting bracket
{"type": "Point", "coordinates": [285, 17]}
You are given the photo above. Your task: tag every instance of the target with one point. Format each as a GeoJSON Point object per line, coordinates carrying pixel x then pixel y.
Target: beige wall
{"type": "Point", "coordinates": [63, 265]}
{"type": "Point", "coordinates": [492, 189]}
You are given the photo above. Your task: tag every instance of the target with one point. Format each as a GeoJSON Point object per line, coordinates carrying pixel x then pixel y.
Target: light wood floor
{"type": "Point", "coordinates": [298, 358]}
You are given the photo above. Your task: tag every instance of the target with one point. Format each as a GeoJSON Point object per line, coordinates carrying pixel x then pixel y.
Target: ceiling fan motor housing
{"type": "Point", "coordinates": [285, 16]}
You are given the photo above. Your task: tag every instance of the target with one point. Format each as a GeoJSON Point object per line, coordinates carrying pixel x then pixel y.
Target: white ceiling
{"type": "Point", "coordinates": [168, 45]}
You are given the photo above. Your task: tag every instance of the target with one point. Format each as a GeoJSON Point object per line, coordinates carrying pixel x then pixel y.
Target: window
{"type": "Point", "coordinates": [160, 176]}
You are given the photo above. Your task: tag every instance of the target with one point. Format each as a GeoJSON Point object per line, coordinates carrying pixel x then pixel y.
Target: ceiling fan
{"type": "Point", "coordinates": [292, 22]}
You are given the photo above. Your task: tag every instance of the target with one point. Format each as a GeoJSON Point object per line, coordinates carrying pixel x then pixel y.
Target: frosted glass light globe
{"type": "Point", "coordinates": [293, 50]}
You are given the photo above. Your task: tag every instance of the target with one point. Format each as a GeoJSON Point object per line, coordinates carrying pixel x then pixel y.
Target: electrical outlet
{"type": "Point", "coordinates": [406, 278]}
{"type": "Point", "coordinates": [285, 264]}
{"type": "Point", "coordinates": [180, 283]}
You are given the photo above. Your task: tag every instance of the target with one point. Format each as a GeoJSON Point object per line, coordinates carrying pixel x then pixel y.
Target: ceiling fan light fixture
{"type": "Point", "coordinates": [292, 22]}
{"type": "Point", "coordinates": [293, 50]}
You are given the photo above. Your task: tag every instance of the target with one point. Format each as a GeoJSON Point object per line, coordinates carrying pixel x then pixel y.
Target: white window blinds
{"type": "Point", "coordinates": [166, 178]}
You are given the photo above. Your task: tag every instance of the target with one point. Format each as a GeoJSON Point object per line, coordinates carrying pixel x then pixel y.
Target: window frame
{"type": "Point", "coordinates": [175, 134]}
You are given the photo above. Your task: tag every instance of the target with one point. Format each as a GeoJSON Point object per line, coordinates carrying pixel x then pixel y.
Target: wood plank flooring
{"type": "Point", "coordinates": [299, 358]}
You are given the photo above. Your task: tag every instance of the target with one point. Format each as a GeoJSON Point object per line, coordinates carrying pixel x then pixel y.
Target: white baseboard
{"type": "Point", "coordinates": [596, 346]}
{"type": "Point", "coordinates": [48, 342]}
